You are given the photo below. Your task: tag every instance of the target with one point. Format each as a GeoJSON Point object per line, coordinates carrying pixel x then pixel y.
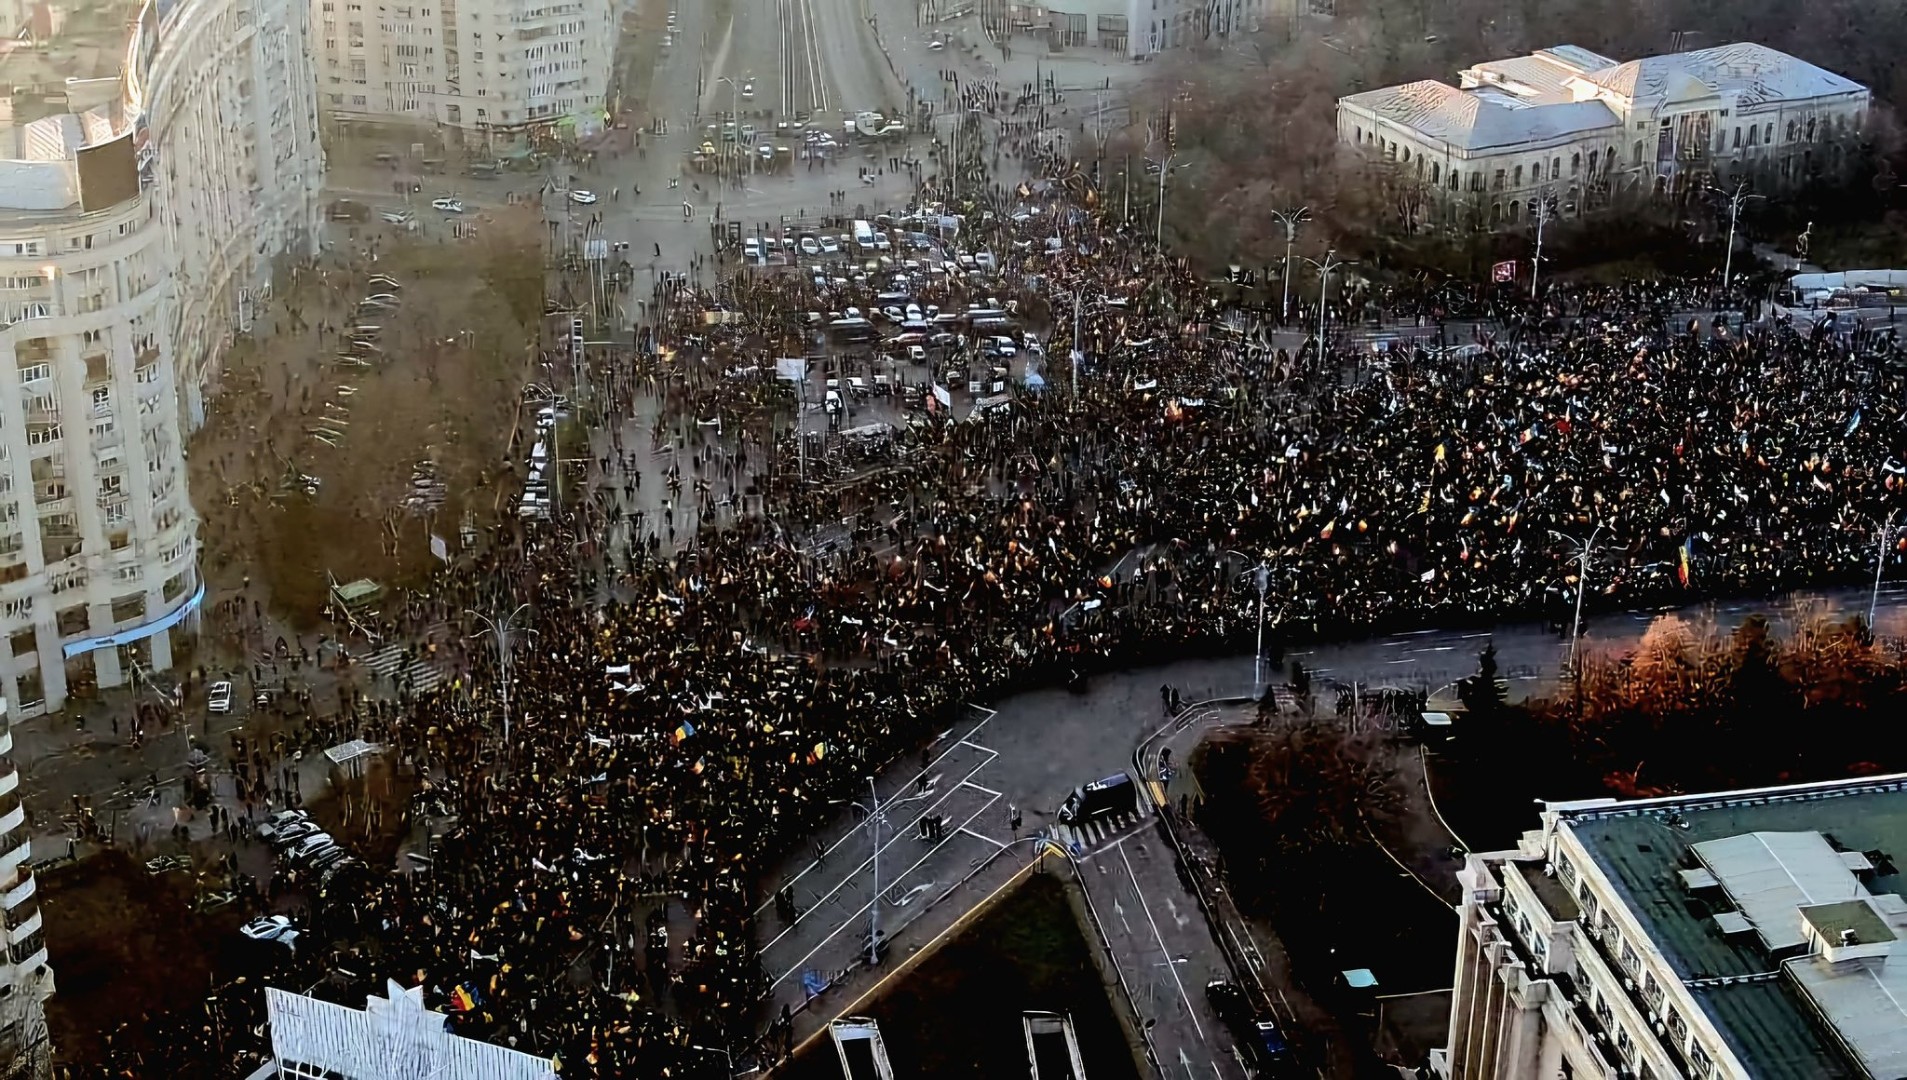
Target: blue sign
{"type": "Point", "coordinates": [139, 633]}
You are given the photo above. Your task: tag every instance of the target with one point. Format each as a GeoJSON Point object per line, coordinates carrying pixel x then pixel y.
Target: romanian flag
{"type": "Point", "coordinates": [1681, 563]}
{"type": "Point", "coordinates": [700, 764]}
{"type": "Point", "coordinates": [462, 1000]}
{"type": "Point", "coordinates": [818, 754]}
{"type": "Point", "coordinates": [682, 731]}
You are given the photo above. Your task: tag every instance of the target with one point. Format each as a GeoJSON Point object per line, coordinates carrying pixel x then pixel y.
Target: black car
{"type": "Point", "coordinates": [1258, 1036]}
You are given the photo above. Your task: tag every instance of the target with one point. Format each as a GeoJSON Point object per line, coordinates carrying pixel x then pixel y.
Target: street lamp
{"type": "Point", "coordinates": [1584, 549]}
{"type": "Point", "coordinates": [1290, 219]}
{"type": "Point", "coordinates": [503, 631]}
{"type": "Point", "coordinates": [1735, 199]}
{"type": "Point", "coordinates": [1158, 233]}
{"type": "Point", "coordinates": [1261, 574]}
{"type": "Point", "coordinates": [1331, 262]}
{"type": "Point", "coordinates": [873, 812]}
{"type": "Point", "coordinates": [1887, 531]}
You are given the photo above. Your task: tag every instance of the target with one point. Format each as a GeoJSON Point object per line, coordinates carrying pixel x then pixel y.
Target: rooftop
{"type": "Point", "coordinates": [1789, 870]}
{"type": "Point", "coordinates": [1560, 92]}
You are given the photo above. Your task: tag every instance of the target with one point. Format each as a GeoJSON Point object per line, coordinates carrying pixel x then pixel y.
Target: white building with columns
{"type": "Point", "coordinates": [488, 72]}
{"type": "Point", "coordinates": [1748, 934]}
{"type": "Point", "coordinates": [1569, 125]}
{"type": "Point", "coordinates": [142, 205]}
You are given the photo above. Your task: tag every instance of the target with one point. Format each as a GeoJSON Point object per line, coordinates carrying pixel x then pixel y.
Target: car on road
{"type": "Point", "coordinates": [218, 699]}
{"type": "Point", "coordinates": [748, 89]}
{"type": "Point", "coordinates": [582, 196]}
{"type": "Point", "coordinates": [810, 247]}
{"type": "Point", "coordinates": [448, 206]}
{"type": "Point", "coordinates": [276, 929]}
{"type": "Point", "coordinates": [936, 45]}
{"type": "Point", "coordinates": [1005, 346]}
{"type": "Point", "coordinates": [293, 832]}
{"type": "Point", "coordinates": [830, 246]}
{"type": "Point", "coordinates": [304, 849]}
{"type": "Point", "coordinates": [765, 152]}
{"type": "Point", "coordinates": [751, 248]}
{"type": "Point", "coordinates": [1263, 1044]}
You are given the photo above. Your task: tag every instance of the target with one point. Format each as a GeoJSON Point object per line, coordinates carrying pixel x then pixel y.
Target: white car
{"type": "Point", "coordinates": [272, 928]}
{"type": "Point", "coordinates": [581, 196]}
{"type": "Point", "coordinates": [810, 247]}
{"type": "Point", "coordinates": [448, 206]}
{"type": "Point", "coordinates": [218, 699]}
{"type": "Point", "coordinates": [748, 89]}
{"type": "Point", "coordinates": [1005, 346]}
{"type": "Point", "coordinates": [936, 45]}
{"type": "Point", "coordinates": [282, 820]}
{"type": "Point", "coordinates": [830, 246]}
{"type": "Point", "coordinates": [308, 846]}
{"type": "Point", "coordinates": [751, 248]}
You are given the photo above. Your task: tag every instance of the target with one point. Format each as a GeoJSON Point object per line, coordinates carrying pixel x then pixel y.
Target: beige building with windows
{"type": "Point", "coordinates": [1582, 129]}
{"type": "Point", "coordinates": [144, 198]}
{"type": "Point", "coordinates": [488, 72]}
{"type": "Point", "coordinates": [1748, 934]}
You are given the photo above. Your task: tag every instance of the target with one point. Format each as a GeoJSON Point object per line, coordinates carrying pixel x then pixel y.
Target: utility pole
{"type": "Point", "coordinates": [1290, 219]}
{"type": "Point", "coordinates": [503, 631]}
{"type": "Point", "coordinates": [1330, 263]}
{"type": "Point", "coordinates": [1880, 560]}
{"type": "Point", "coordinates": [1079, 351]}
{"type": "Point", "coordinates": [1583, 551]}
{"type": "Point", "coordinates": [1158, 238]}
{"type": "Point", "coordinates": [1263, 575]}
{"type": "Point", "coordinates": [874, 908]}
{"type": "Point", "coordinates": [1735, 200]}
{"type": "Point", "coordinates": [1536, 264]}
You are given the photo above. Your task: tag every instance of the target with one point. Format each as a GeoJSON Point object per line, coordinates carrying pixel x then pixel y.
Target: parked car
{"type": "Point", "coordinates": [448, 206]}
{"type": "Point", "coordinates": [310, 845]}
{"type": "Point", "coordinates": [293, 832]}
{"type": "Point", "coordinates": [810, 246]}
{"type": "Point", "coordinates": [1263, 1044]}
{"type": "Point", "coordinates": [218, 699]}
{"type": "Point", "coordinates": [276, 929]}
{"type": "Point", "coordinates": [582, 196]}
{"type": "Point", "coordinates": [273, 825]}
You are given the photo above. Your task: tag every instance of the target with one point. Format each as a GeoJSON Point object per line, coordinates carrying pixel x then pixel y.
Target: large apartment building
{"type": "Point", "coordinates": [1749, 934]}
{"type": "Point", "coordinates": [1568, 125]}
{"type": "Point", "coordinates": [143, 199]}
{"type": "Point", "coordinates": [483, 72]}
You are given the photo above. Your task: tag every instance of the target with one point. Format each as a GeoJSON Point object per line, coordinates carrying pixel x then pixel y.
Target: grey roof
{"type": "Point", "coordinates": [1480, 119]}
{"type": "Point", "coordinates": [1766, 1018]}
{"type": "Point", "coordinates": [1752, 74]}
{"type": "Point", "coordinates": [1771, 875]}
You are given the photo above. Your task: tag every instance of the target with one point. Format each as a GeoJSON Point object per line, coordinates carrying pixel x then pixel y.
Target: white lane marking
{"type": "Point", "coordinates": [856, 917]}
{"type": "Point", "coordinates": [983, 836]}
{"type": "Point", "coordinates": [977, 787]}
{"type": "Point", "coordinates": [1163, 951]}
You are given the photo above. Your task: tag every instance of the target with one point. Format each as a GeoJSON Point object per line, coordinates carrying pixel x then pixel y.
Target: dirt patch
{"type": "Point", "coordinates": [958, 1013]}
{"type": "Point", "coordinates": [315, 444]}
{"type": "Point", "coordinates": [123, 944]}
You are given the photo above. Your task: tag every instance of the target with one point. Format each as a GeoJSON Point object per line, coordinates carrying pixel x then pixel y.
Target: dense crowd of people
{"type": "Point", "coordinates": [697, 694]}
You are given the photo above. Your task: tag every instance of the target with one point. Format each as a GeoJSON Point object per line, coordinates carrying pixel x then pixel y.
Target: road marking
{"type": "Point", "coordinates": [1119, 909]}
{"type": "Point", "coordinates": [1177, 916]}
{"type": "Point", "coordinates": [1187, 1062]}
{"type": "Point", "coordinates": [855, 918]}
{"type": "Point", "coordinates": [1163, 951]}
{"type": "Point", "coordinates": [977, 787]}
{"type": "Point", "coordinates": [1405, 660]}
{"type": "Point", "coordinates": [981, 836]}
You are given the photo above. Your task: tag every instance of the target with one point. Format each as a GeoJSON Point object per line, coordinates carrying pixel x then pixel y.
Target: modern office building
{"type": "Point", "coordinates": [1748, 934]}
{"type": "Point", "coordinates": [487, 73]}
{"type": "Point", "coordinates": [1135, 27]}
{"type": "Point", "coordinates": [153, 163]}
{"type": "Point", "coordinates": [1567, 124]}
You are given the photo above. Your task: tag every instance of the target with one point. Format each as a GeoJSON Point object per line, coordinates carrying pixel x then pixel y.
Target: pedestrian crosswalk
{"type": "Point", "coordinates": [1090, 836]}
{"type": "Point", "coordinates": [410, 672]}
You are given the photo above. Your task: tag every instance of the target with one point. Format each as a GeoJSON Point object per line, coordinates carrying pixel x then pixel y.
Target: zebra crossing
{"type": "Point", "coordinates": [414, 673]}
{"type": "Point", "coordinates": [1087, 838]}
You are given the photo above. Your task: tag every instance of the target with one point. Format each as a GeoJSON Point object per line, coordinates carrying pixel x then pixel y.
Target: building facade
{"type": "Point", "coordinates": [25, 1051]}
{"type": "Point", "coordinates": [141, 208]}
{"type": "Point", "coordinates": [1572, 130]}
{"type": "Point", "coordinates": [1747, 934]}
{"type": "Point", "coordinates": [1136, 28]}
{"type": "Point", "coordinates": [392, 1038]}
{"type": "Point", "coordinates": [484, 72]}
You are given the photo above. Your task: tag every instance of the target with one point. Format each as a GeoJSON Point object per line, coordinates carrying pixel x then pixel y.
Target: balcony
{"type": "Point", "coordinates": [14, 817]}
{"type": "Point", "coordinates": [9, 776]}
{"type": "Point", "coordinates": [20, 893]}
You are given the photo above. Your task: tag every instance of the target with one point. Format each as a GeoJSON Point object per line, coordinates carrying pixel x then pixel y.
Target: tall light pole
{"type": "Point", "coordinates": [1331, 262]}
{"type": "Point", "coordinates": [1290, 219]}
{"type": "Point", "coordinates": [1536, 264]}
{"type": "Point", "coordinates": [503, 631]}
{"type": "Point", "coordinates": [1261, 575]}
{"type": "Point", "coordinates": [1735, 200]}
{"type": "Point", "coordinates": [1880, 560]}
{"type": "Point", "coordinates": [874, 908]}
{"type": "Point", "coordinates": [1584, 548]}
{"type": "Point", "coordinates": [1158, 233]}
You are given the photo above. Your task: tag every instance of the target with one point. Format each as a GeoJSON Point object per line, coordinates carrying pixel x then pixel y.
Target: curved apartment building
{"type": "Point", "coordinates": [141, 209]}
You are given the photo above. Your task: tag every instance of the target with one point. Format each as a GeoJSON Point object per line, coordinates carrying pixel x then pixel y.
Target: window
{"type": "Point", "coordinates": [1497, 184]}
{"type": "Point", "coordinates": [1594, 156]}
{"type": "Point", "coordinates": [1456, 180]}
{"type": "Point", "coordinates": [1516, 211]}
{"type": "Point", "coordinates": [1768, 133]}
{"type": "Point", "coordinates": [1575, 164]}
{"type": "Point", "coordinates": [1790, 137]}
{"type": "Point", "coordinates": [1810, 129]}
{"type": "Point", "coordinates": [40, 436]}
{"type": "Point", "coordinates": [1518, 182]}
{"type": "Point", "coordinates": [35, 372]}
{"type": "Point", "coordinates": [1738, 136]}
{"type": "Point", "coordinates": [1678, 1028]}
{"type": "Point", "coordinates": [1406, 153]}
